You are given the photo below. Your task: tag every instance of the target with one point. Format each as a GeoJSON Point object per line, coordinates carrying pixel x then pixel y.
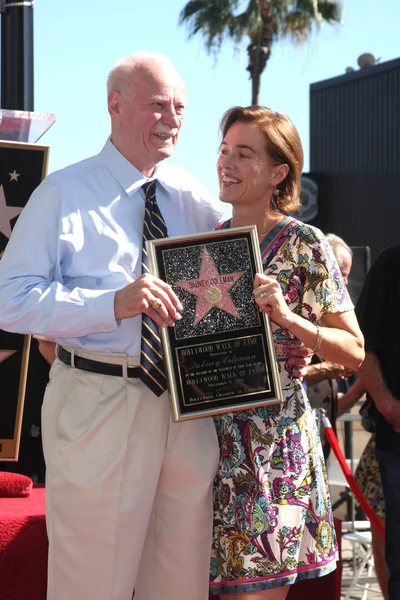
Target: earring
{"type": "Point", "coordinates": [276, 192]}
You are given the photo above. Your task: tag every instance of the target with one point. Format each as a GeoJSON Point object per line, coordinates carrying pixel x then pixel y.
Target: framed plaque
{"type": "Point", "coordinates": [220, 356]}
{"type": "Point", "coordinates": [22, 168]}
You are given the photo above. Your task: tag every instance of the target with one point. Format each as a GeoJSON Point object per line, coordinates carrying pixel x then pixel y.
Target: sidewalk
{"type": "Point", "coordinates": [374, 592]}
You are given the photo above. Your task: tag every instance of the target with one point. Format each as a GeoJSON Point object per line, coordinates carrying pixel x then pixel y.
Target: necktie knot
{"type": "Point", "coordinates": [149, 189]}
{"type": "Point", "coordinates": [154, 224]}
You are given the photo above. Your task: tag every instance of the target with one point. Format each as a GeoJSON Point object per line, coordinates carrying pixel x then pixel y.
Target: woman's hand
{"type": "Point", "coordinates": [269, 297]}
{"type": "Point", "coordinates": [340, 341]}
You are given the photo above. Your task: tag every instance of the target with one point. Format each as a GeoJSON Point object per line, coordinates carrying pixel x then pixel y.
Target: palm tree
{"type": "Point", "coordinates": [263, 21]}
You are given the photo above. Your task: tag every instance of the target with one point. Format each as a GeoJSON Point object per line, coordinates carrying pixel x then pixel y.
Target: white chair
{"type": "Point", "coordinates": [355, 532]}
{"type": "Point", "coordinates": [362, 544]}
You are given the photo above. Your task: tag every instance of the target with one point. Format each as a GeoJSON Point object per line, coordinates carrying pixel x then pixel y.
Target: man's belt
{"type": "Point", "coordinates": [95, 366]}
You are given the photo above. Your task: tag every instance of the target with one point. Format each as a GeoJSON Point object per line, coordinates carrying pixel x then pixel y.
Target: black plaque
{"type": "Point", "coordinates": [220, 357]}
{"type": "Point", "coordinates": [22, 168]}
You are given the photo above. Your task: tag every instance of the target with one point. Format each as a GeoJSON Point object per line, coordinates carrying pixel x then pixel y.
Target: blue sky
{"type": "Point", "coordinates": [77, 42]}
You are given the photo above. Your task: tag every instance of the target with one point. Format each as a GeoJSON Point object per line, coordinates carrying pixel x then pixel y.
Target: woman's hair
{"type": "Point", "coordinates": [282, 144]}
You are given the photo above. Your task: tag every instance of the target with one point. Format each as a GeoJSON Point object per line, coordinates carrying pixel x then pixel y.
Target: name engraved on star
{"type": "Point", "coordinates": [214, 281]}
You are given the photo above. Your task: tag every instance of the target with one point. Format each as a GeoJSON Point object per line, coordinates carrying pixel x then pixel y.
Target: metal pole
{"type": "Point", "coordinates": [348, 451]}
{"type": "Point", "coordinates": [16, 55]}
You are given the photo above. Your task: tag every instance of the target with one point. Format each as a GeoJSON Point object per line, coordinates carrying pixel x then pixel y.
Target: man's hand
{"type": "Point", "coordinates": [143, 296]}
{"type": "Point", "coordinates": [298, 362]}
{"type": "Point", "coordinates": [325, 370]}
{"type": "Point", "coordinates": [48, 350]}
{"type": "Point", "coordinates": [338, 371]}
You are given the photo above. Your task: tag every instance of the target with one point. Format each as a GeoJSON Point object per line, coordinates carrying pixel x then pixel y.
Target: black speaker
{"type": "Point", "coordinates": [360, 267]}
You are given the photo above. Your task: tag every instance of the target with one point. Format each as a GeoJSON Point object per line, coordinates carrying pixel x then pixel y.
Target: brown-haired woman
{"type": "Point", "coordinates": [273, 522]}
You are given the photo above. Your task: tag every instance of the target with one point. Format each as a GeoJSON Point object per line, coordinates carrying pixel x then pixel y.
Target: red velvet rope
{"type": "Point", "coordinates": [334, 444]}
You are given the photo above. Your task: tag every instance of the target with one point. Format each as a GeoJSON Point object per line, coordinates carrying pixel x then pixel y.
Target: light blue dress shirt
{"type": "Point", "coordinates": [79, 239]}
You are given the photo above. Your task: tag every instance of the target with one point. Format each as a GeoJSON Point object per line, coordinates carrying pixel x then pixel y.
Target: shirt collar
{"type": "Point", "coordinates": [127, 175]}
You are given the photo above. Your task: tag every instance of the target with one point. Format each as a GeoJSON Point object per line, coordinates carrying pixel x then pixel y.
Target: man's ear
{"type": "Point", "coordinates": [114, 104]}
{"type": "Point", "coordinates": [280, 173]}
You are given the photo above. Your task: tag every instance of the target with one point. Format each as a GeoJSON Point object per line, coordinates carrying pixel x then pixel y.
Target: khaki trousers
{"type": "Point", "coordinates": [124, 486]}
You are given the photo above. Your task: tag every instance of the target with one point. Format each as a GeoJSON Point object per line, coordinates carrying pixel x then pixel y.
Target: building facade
{"type": "Point", "coordinates": [355, 155]}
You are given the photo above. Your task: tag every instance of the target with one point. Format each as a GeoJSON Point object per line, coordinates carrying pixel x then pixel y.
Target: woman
{"type": "Point", "coordinates": [273, 522]}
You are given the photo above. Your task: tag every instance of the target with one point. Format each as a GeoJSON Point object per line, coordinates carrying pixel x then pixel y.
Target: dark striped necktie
{"type": "Point", "coordinates": [152, 370]}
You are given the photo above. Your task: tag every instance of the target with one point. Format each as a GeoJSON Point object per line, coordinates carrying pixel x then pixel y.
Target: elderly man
{"type": "Point", "coordinates": [125, 485]}
{"type": "Point", "coordinates": [117, 467]}
{"type": "Point", "coordinates": [343, 254]}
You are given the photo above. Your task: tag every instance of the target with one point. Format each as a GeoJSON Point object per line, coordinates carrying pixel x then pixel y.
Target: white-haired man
{"type": "Point", "coordinates": [343, 254]}
{"type": "Point", "coordinates": [129, 493]}
{"type": "Point", "coordinates": [72, 272]}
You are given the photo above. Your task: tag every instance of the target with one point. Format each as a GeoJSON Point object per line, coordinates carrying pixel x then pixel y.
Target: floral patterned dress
{"type": "Point", "coordinates": [368, 478]}
{"type": "Point", "coordinates": [273, 522]}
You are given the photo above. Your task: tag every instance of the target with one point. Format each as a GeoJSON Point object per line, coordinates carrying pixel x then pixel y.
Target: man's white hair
{"type": "Point", "coordinates": [120, 76]}
{"type": "Point", "coordinates": [337, 243]}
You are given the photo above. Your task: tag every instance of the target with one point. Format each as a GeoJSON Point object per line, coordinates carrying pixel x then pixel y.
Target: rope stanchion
{"type": "Point", "coordinates": [334, 444]}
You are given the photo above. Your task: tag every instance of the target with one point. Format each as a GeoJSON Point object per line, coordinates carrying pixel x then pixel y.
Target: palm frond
{"type": "Point", "coordinates": [263, 21]}
{"type": "Point", "coordinates": [213, 19]}
{"type": "Point", "coordinates": [296, 18]}
{"type": "Point", "coordinates": [330, 10]}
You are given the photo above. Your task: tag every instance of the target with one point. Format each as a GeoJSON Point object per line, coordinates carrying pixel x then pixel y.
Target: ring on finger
{"type": "Point", "coordinates": [156, 304]}
{"type": "Point", "coordinates": [263, 294]}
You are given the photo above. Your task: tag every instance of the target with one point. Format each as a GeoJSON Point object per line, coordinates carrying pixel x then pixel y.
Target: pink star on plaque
{"type": "Point", "coordinates": [211, 289]}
